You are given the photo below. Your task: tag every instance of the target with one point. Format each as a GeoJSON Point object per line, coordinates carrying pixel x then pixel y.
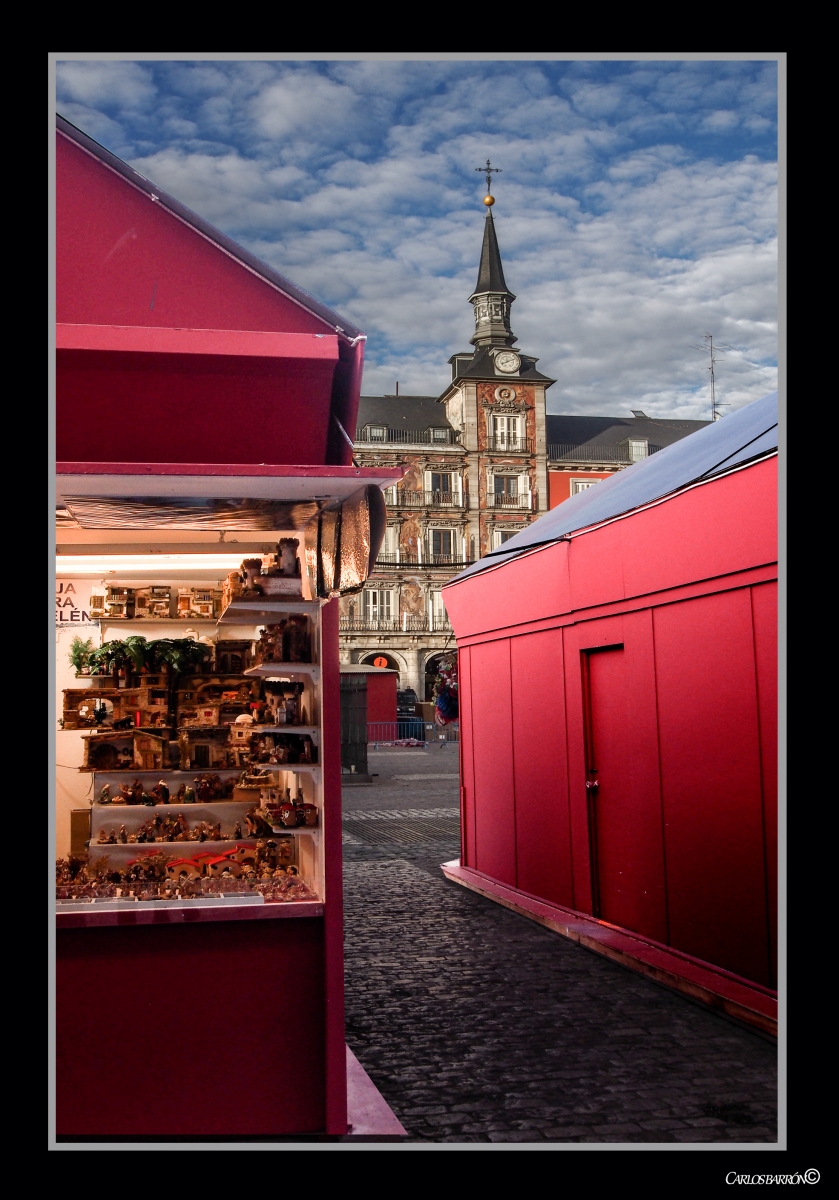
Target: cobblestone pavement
{"type": "Point", "coordinates": [477, 1025]}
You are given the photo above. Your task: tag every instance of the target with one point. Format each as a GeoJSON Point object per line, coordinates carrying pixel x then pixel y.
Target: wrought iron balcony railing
{"type": "Point", "coordinates": [408, 499]}
{"type": "Point", "coordinates": [522, 503]}
{"type": "Point", "coordinates": [404, 623]}
{"type": "Point", "coordinates": [378, 435]}
{"type": "Point", "coordinates": [508, 443]}
{"type": "Point", "coordinates": [564, 452]}
{"type": "Point", "coordinates": [388, 558]}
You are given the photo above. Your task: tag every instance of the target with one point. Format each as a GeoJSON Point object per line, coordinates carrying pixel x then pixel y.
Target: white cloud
{"type": "Point", "coordinates": [624, 240]}
{"type": "Point", "coordinates": [110, 85]}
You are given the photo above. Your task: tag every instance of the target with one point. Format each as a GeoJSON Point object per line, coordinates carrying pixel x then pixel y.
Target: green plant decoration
{"type": "Point", "coordinates": [181, 654]}
{"type": "Point", "coordinates": [80, 653]}
{"type": "Point", "coordinates": [139, 651]}
{"type": "Point", "coordinates": [110, 657]}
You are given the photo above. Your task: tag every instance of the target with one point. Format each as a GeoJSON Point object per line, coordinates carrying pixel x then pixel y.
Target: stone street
{"type": "Point", "coordinates": [478, 1025]}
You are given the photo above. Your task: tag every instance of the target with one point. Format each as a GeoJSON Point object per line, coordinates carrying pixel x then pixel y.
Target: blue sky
{"type": "Point", "coordinates": [636, 209]}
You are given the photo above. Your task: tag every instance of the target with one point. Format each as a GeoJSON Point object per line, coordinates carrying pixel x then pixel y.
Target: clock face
{"type": "Point", "coordinates": [507, 362]}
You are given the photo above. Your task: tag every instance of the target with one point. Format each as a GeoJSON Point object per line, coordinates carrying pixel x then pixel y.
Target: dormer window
{"type": "Point", "coordinates": [439, 435]}
{"type": "Point", "coordinates": [377, 433]}
{"type": "Point", "coordinates": [635, 448]}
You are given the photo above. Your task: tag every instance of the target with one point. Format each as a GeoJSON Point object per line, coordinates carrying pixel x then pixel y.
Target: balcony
{"type": "Point", "coordinates": [388, 558]}
{"type": "Point", "coordinates": [406, 499]}
{"type": "Point", "coordinates": [509, 444]}
{"type": "Point", "coordinates": [407, 437]}
{"type": "Point", "coordinates": [406, 623]}
{"type": "Point", "coordinates": [522, 503]}
{"type": "Point", "coordinates": [596, 454]}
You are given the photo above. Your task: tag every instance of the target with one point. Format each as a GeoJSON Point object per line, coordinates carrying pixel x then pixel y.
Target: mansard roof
{"type": "Point", "coordinates": [402, 412]}
{"type": "Point", "coordinates": [609, 431]}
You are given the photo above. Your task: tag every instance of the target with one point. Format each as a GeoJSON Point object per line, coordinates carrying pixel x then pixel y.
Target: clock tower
{"type": "Point", "coordinates": [496, 400]}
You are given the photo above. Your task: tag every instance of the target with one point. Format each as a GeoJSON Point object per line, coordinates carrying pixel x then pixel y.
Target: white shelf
{"type": "Point", "coordinates": [310, 730]}
{"type": "Point", "coordinates": [279, 670]}
{"type": "Point", "coordinates": [257, 612]}
{"type": "Point", "coordinates": [174, 807]}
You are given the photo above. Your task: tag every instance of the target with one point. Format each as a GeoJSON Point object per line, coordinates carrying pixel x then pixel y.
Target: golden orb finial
{"type": "Point", "coordinates": [489, 201]}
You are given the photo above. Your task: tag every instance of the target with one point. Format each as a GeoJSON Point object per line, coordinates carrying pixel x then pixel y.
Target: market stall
{"type": "Point", "coordinates": [199, 959]}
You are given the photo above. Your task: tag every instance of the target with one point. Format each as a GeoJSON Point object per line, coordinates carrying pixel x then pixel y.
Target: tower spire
{"type": "Point", "coordinates": [491, 298]}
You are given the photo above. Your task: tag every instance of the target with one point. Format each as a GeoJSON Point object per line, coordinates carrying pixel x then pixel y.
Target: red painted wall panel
{"type": "Point", "coordinates": [467, 759]}
{"type": "Point", "coordinates": [543, 841]}
{"type": "Point", "coordinates": [123, 260]}
{"type": "Point", "coordinates": [710, 770]}
{"type": "Point", "coordinates": [381, 697]}
{"type": "Point", "coordinates": [157, 408]}
{"type": "Point", "coordinates": [190, 1030]}
{"type": "Point", "coordinates": [765, 623]}
{"type": "Point", "coordinates": [495, 822]}
{"type": "Point", "coordinates": [728, 525]}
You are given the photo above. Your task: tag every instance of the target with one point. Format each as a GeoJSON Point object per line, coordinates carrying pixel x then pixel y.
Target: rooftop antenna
{"type": "Point", "coordinates": [397, 387]}
{"type": "Point", "coordinates": [489, 172]}
{"type": "Point", "coordinates": [712, 350]}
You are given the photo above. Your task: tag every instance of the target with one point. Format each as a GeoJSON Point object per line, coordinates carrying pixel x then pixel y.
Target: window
{"type": "Point", "coordinates": [390, 494]}
{"type": "Point", "coordinates": [441, 481]}
{"type": "Point", "coordinates": [500, 536]}
{"type": "Point", "coordinates": [635, 448]}
{"type": "Point", "coordinates": [378, 606]}
{"type": "Point", "coordinates": [442, 544]}
{"type": "Point", "coordinates": [505, 432]}
{"type": "Point", "coordinates": [377, 433]}
{"type": "Point", "coordinates": [439, 435]}
{"type": "Point", "coordinates": [437, 611]}
{"type": "Point", "coordinates": [580, 485]}
{"type": "Point", "coordinates": [507, 485]}
{"type": "Point", "coordinates": [389, 550]}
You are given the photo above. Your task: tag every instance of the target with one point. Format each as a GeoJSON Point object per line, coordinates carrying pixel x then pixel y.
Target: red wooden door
{"type": "Point", "coordinates": [624, 809]}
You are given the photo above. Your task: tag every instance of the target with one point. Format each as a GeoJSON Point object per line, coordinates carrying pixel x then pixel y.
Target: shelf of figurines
{"type": "Point", "coordinates": [255, 847]}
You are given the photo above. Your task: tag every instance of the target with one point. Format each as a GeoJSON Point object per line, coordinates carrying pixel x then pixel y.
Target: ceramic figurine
{"type": "Point", "coordinates": [162, 792]}
{"type": "Point", "coordinates": [288, 815]}
{"type": "Point", "coordinates": [296, 640]}
{"type": "Point", "coordinates": [237, 830]}
{"type": "Point", "coordinates": [136, 792]}
{"type": "Point", "coordinates": [124, 796]}
{"type": "Point", "coordinates": [204, 791]}
{"type": "Point", "coordinates": [149, 800]}
{"type": "Point", "coordinates": [123, 836]}
{"type": "Point", "coordinates": [179, 799]}
{"type": "Point", "coordinates": [189, 794]}
{"type": "Point", "coordinates": [105, 794]}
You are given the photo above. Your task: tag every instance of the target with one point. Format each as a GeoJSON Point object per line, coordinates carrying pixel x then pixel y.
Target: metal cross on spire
{"type": "Point", "coordinates": [489, 172]}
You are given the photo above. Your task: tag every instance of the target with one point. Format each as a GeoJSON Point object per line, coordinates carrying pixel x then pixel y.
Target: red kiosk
{"type": "Point", "coordinates": [618, 696]}
{"type": "Point", "coordinates": [192, 383]}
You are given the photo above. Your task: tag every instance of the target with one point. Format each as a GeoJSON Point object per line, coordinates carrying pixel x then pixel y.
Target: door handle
{"type": "Point", "coordinates": [593, 785]}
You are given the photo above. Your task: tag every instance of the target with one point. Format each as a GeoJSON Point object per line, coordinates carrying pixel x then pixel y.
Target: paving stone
{"type": "Point", "coordinates": [478, 1025]}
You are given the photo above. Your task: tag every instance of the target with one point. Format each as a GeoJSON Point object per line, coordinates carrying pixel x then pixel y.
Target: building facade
{"type": "Point", "coordinates": [482, 460]}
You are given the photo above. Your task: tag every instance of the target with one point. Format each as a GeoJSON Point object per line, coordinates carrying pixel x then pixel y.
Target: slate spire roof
{"type": "Point", "coordinates": [490, 272]}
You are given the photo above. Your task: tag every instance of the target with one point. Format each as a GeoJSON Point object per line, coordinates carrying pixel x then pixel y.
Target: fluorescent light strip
{"type": "Point", "coordinates": [104, 564]}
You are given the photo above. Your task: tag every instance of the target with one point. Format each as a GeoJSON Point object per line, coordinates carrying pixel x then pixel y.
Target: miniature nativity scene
{"type": "Point", "coordinates": [202, 740]}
